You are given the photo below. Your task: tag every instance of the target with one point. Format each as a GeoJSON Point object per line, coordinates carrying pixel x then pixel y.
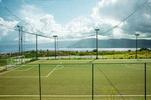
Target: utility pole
{"type": "Point", "coordinates": [97, 52]}
{"type": "Point", "coordinates": [136, 45]}
{"type": "Point", "coordinates": [55, 45]}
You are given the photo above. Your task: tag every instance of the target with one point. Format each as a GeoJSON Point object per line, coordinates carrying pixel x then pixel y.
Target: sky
{"type": "Point", "coordinates": [75, 19]}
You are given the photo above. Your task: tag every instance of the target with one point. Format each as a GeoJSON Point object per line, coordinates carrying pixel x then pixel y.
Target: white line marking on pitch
{"type": "Point", "coordinates": [51, 72]}
{"type": "Point", "coordinates": [76, 96]}
{"type": "Point", "coordinates": [21, 77]}
{"type": "Point", "coordinates": [57, 67]}
{"type": "Point", "coordinates": [26, 69]}
{"type": "Point", "coordinates": [29, 69]}
{"type": "Point", "coordinates": [10, 70]}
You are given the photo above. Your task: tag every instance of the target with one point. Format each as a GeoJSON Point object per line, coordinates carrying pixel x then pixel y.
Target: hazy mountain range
{"type": "Point", "coordinates": [85, 43]}
{"type": "Point", "coordinates": [112, 43]}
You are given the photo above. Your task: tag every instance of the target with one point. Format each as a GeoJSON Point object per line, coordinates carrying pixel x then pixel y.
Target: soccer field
{"type": "Point", "coordinates": [77, 80]}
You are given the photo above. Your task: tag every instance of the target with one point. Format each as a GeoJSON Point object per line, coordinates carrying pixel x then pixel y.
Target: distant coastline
{"type": "Point", "coordinates": [9, 50]}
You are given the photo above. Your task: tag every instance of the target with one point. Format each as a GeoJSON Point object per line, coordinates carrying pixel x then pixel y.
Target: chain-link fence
{"type": "Point", "coordinates": [74, 81]}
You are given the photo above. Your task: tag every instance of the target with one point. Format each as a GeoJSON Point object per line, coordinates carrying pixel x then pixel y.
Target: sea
{"type": "Point", "coordinates": [11, 49]}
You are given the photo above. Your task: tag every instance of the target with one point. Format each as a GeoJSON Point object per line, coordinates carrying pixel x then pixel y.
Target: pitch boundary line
{"type": "Point", "coordinates": [26, 69]}
{"type": "Point", "coordinates": [137, 68]}
{"type": "Point", "coordinates": [73, 96]}
{"type": "Point", "coordinates": [17, 77]}
{"type": "Point", "coordinates": [46, 76]}
{"type": "Point", "coordinates": [10, 70]}
{"type": "Point", "coordinates": [54, 69]}
{"type": "Point", "coordinates": [51, 72]}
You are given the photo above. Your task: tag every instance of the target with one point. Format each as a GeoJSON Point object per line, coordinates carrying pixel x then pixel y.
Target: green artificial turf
{"type": "Point", "coordinates": [72, 80]}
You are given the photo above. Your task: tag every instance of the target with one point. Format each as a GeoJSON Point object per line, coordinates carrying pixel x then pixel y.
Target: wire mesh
{"type": "Point", "coordinates": [76, 81]}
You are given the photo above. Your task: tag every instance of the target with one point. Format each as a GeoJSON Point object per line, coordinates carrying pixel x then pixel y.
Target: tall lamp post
{"type": "Point", "coordinates": [136, 45]}
{"type": "Point", "coordinates": [97, 53]}
{"type": "Point", "coordinates": [20, 42]}
{"type": "Point", "coordinates": [55, 45]}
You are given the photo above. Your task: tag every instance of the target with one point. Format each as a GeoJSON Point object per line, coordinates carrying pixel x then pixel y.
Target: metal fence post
{"type": "Point", "coordinates": [39, 83]}
{"type": "Point", "coordinates": [144, 81]}
{"type": "Point", "coordinates": [92, 81]}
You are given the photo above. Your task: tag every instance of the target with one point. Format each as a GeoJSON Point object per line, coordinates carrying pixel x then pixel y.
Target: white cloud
{"type": "Point", "coordinates": [118, 33]}
{"type": "Point", "coordinates": [77, 27]}
{"type": "Point", "coordinates": [112, 12]}
{"type": "Point", "coordinates": [115, 9]}
{"type": "Point", "coordinates": [106, 14]}
{"type": "Point", "coordinates": [38, 22]}
{"type": "Point", "coordinates": [6, 26]}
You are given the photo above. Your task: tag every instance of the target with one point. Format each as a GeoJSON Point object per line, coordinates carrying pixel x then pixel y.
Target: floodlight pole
{"type": "Point", "coordinates": [20, 41]}
{"type": "Point", "coordinates": [55, 45]}
{"type": "Point", "coordinates": [97, 53]}
{"type": "Point", "coordinates": [136, 45]}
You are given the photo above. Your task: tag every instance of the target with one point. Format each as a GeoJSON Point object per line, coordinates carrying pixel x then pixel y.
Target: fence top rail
{"type": "Point", "coordinates": [88, 63]}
